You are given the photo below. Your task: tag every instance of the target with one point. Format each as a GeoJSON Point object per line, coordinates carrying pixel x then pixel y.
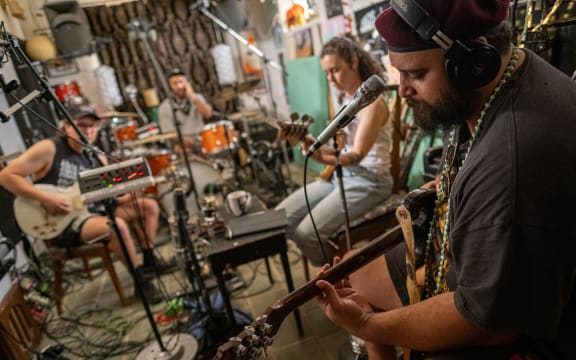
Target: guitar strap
{"type": "Point", "coordinates": [405, 221]}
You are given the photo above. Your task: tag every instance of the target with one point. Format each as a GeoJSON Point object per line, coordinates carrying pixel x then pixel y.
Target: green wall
{"type": "Point", "coordinates": [308, 94]}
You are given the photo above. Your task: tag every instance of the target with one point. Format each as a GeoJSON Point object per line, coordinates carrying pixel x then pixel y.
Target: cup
{"type": "Point", "coordinates": [238, 202]}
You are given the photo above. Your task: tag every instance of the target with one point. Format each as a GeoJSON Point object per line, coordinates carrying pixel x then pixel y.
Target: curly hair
{"type": "Point", "coordinates": [347, 50]}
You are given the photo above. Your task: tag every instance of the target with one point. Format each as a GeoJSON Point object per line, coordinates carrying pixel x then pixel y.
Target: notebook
{"type": "Point", "coordinates": [254, 223]}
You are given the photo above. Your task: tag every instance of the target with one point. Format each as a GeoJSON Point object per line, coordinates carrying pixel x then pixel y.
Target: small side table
{"type": "Point", "coordinates": [242, 250]}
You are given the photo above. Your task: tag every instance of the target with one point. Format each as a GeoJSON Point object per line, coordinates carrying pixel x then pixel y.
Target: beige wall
{"type": "Point", "coordinates": [13, 25]}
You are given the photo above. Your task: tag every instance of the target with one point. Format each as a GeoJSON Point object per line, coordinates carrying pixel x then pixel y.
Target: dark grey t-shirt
{"type": "Point", "coordinates": [512, 222]}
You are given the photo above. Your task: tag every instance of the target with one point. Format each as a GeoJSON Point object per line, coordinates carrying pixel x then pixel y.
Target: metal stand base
{"type": "Point", "coordinates": [178, 346]}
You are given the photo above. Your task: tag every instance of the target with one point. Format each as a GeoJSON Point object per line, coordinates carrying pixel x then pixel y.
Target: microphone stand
{"type": "Point", "coordinates": [202, 6]}
{"type": "Point", "coordinates": [143, 28]}
{"type": "Point", "coordinates": [188, 254]}
{"type": "Point", "coordinates": [338, 170]}
{"type": "Point", "coordinates": [231, 154]}
{"type": "Point", "coordinates": [90, 153]}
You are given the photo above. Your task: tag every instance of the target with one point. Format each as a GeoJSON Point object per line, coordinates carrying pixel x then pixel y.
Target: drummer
{"type": "Point", "coordinates": [192, 109]}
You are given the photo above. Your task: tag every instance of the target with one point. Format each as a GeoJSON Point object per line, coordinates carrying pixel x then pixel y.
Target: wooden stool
{"type": "Point", "coordinates": [85, 252]}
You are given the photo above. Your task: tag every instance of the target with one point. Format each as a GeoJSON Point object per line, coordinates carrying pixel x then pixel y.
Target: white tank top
{"type": "Point", "coordinates": [378, 158]}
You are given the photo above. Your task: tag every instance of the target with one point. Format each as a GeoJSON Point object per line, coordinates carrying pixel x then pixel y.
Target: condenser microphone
{"type": "Point", "coordinates": [365, 95]}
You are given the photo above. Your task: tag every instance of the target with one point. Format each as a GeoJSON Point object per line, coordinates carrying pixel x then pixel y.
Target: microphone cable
{"type": "Point", "coordinates": [310, 211]}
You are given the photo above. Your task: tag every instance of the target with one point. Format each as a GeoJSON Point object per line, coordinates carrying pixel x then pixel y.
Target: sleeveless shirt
{"type": "Point", "coordinates": [377, 160]}
{"type": "Point", "coordinates": [66, 166]}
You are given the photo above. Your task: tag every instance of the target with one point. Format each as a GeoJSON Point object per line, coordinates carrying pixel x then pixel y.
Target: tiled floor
{"type": "Point", "coordinates": [94, 325]}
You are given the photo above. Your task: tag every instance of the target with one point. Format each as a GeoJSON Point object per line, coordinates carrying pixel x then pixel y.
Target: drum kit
{"type": "Point", "coordinates": [214, 160]}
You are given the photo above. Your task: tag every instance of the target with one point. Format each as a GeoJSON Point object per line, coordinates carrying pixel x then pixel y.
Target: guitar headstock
{"type": "Point", "coordinates": [250, 344]}
{"type": "Point", "coordinates": [297, 129]}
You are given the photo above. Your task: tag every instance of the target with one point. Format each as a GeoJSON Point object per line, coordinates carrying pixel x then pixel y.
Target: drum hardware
{"type": "Point", "coordinates": [132, 92]}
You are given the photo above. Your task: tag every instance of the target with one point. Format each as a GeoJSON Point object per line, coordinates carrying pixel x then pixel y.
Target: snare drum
{"type": "Point", "coordinates": [158, 161]}
{"type": "Point", "coordinates": [126, 131]}
{"type": "Point", "coordinates": [213, 137]}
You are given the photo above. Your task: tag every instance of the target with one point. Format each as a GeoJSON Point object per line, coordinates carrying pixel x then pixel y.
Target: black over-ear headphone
{"type": "Point", "coordinates": [470, 64]}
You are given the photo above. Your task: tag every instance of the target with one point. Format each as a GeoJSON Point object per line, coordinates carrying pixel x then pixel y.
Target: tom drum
{"type": "Point", "coordinates": [216, 137]}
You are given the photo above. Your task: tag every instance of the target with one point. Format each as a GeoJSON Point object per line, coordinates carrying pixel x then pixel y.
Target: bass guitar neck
{"type": "Point", "coordinates": [252, 342]}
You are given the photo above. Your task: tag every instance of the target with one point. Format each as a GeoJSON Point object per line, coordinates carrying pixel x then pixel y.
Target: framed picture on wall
{"type": "Point", "coordinates": [299, 44]}
{"type": "Point", "coordinates": [333, 8]}
{"type": "Point", "coordinates": [366, 17]}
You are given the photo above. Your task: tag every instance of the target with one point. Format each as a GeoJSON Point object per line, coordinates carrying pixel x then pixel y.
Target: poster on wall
{"type": "Point", "coordinates": [333, 27]}
{"type": "Point", "coordinates": [299, 44]}
{"type": "Point", "coordinates": [366, 17]}
{"type": "Point", "coordinates": [333, 8]}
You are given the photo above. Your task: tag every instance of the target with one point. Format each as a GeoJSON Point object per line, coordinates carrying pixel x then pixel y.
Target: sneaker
{"type": "Point", "coordinates": [151, 293]}
{"type": "Point", "coordinates": [160, 267]}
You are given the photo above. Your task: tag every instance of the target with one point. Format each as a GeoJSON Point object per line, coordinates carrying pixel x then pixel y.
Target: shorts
{"type": "Point", "coordinates": [396, 262]}
{"type": "Point", "coordinates": [70, 237]}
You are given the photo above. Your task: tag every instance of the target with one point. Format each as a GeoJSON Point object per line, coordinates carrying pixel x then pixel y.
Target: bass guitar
{"type": "Point", "coordinates": [36, 221]}
{"type": "Point", "coordinates": [296, 130]}
{"type": "Point", "coordinates": [252, 342]}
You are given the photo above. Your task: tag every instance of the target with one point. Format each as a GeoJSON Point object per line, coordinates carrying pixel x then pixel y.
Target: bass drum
{"type": "Point", "coordinates": [205, 178]}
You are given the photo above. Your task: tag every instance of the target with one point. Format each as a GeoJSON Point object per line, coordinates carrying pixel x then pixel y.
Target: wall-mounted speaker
{"type": "Point", "coordinates": [70, 27]}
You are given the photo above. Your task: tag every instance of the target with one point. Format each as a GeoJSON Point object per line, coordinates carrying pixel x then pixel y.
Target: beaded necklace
{"type": "Point", "coordinates": [434, 284]}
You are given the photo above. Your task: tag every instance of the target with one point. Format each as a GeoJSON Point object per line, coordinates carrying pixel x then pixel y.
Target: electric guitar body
{"type": "Point", "coordinates": [36, 221]}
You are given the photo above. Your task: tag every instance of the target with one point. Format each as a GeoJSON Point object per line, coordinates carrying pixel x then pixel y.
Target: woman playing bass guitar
{"type": "Point", "coordinates": [365, 157]}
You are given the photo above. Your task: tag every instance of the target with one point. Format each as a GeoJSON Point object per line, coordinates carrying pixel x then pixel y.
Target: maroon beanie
{"type": "Point", "coordinates": [459, 19]}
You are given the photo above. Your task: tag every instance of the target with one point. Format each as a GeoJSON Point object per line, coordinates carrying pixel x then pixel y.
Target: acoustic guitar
{"type": "Point", "coordinates": [36, 221]}
{"type": "Point", "coordinates": [252, 342]}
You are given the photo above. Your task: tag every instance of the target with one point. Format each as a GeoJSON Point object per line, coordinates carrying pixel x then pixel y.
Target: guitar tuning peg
{"type": "Point", "coordinates": [294, 116]}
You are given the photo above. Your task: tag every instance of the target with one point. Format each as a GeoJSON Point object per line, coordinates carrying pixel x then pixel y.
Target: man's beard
{"type": "Point", "coordinates": [454, 106]}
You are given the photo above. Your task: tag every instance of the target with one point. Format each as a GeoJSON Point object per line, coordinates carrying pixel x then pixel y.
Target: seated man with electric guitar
{"type": "Point", "coordinates": [365, 157]}
{"type": "Point", "coordinates": [53, 165]}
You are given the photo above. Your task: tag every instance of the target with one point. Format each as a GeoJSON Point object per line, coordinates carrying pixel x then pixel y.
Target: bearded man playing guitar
{"type": "Point", "coordinates": [365, 157]}
{"type": "Point", "coordinates": [58, 161]}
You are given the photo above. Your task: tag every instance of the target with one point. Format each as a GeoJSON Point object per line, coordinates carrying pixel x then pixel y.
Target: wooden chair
{"type": "Point", "coordinates": [96, 248]}
{"type": "Point", "coordinates": [20, 332]}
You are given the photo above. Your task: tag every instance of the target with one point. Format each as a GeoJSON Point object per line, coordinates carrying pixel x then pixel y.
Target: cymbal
{"type": "Point", "coordinates": [245, 114]}
{"type": "Point", "coordinates": [112, 114]}
{"type": "Point", "coordinates": [231, 92]}
{"type": "Point", "coordinates": [150, 139]}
